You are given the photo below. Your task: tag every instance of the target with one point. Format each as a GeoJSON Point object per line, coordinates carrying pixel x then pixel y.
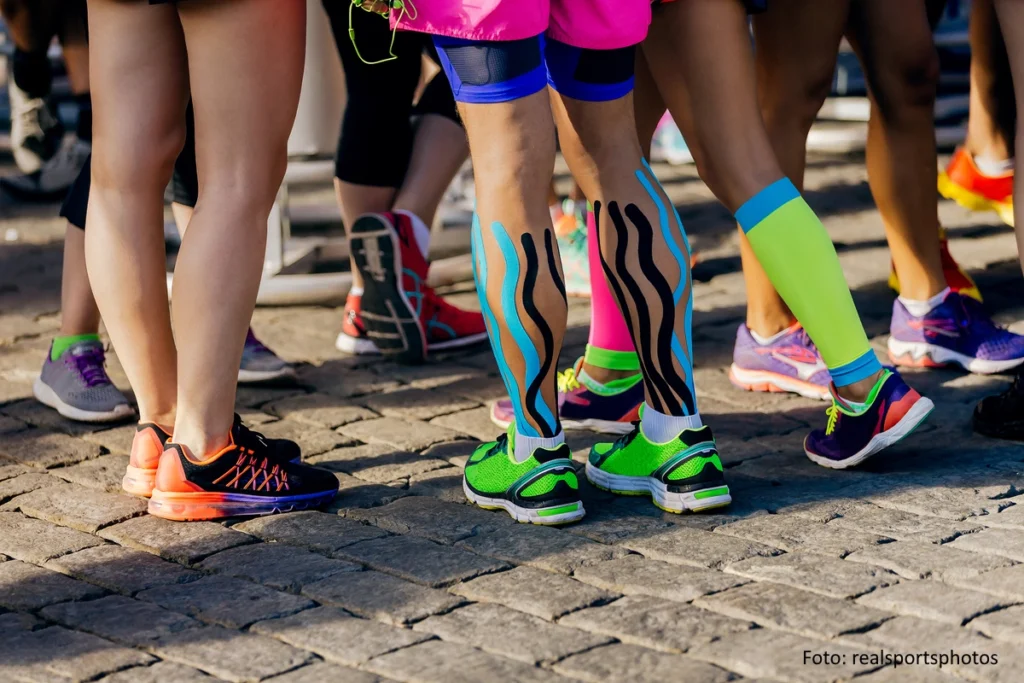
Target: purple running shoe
{"type": "Point", "coordinates": [956, 332]}
{"type": "Point", "coordinates": [580, 407]}
{"type": "Point", "coordinates": [791, 364]}
{"type": "Point", "coordinates": [893, 410]}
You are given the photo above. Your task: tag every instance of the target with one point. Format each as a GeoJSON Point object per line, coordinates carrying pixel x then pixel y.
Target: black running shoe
{"type": "Point", "coordinates": [1002, 416]}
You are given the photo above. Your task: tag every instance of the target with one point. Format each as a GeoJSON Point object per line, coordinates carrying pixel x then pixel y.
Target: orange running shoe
{"type": "Point", "coordinates": [246, 477]}
{"type": "Point", "coordinates": [966, 185]}
{"type": "Point", "coordinates": [956, 277]}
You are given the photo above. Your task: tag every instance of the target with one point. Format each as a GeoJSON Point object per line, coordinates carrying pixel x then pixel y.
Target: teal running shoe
{"type": "Point", "coordinates": [683, 474]}
{"type": "Point", "coordinates": [572, 245]}
{"type": "Point", "coordinates": [543, 489]}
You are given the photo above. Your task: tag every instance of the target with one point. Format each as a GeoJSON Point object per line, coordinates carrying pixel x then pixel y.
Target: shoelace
{"type": "Point", "coordinates": [89, 365]}
{"type": "Point", "coordinates": [567, 381]}
{"type": "Point", "coordinates": [833, 418]}
{"type": "Point", "coordinates": [384, 8]}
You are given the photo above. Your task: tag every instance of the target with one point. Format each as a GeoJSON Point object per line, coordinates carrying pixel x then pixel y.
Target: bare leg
{"type": "Point", "coordinates": [138, 66]}
{"type": "Point", "coordinates": [245, 59]}
{"type": "Point", "coordinates": [894, 42]}
{"type": "Point", "coordinates": [1011, 19]}
{"type": "Point", "coordinates": [79, 313]}
{"type": "Point", "coordinates": [438, 151]}
{"type": "Point", "coordinates": [990, 127]}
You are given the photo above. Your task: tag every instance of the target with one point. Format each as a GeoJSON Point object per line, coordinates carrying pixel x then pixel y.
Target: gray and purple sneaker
{"type": "Point", "coordinates": [791, 363]}
{"type": "Point", "coordinates": [260, 364]}
{"type": "Point", "coordinates": [956, 332]}
{"type": "Point", "coordinates": [76, 385]}
{"type": "Point", "coordinates": [854, 433]}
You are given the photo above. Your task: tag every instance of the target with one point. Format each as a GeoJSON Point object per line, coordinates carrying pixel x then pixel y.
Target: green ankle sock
{"type": "Point", "coordinates": [62, 344]}
{"type": "Point", "coordinates": [625, 361]}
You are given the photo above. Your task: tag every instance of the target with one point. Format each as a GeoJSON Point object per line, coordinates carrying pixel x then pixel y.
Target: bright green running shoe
{"type": "Point", "coordinates": [541, 490]}
{"type": "Point", "coordinates": [683, 474]}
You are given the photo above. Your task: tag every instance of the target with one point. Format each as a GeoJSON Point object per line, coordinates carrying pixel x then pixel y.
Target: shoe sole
{"type": "Point", "coordinates": [773, 382]}
{"type": "Point", "coordinates": [972, 201]}
{"type": "Point", "coordinates": [260, 376]}
{"type": "Point", "coordinates": [365, 347]}
{"type": "Point", "coordinates": [138, 481]}
{"type": "Point", "coordinates": [48, 397]}
{"type": "Point", "coordinates": [550, 516]}
{"type": "Point", "coordinates": [390, 318]}
{"type": "Point", "coordinates": [917, 414]}
{"type": "Point", "coordinates": [669, 501]}
{"type": "Point", "coordinates": [601, 426]}
{"type": "Point", "coordinates": [923, 355]}
{"type": "Point", "coordinates": [186, 507]}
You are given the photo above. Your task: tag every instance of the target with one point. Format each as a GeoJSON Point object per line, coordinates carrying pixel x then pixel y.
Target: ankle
{"type": "Point", "coordinates": [164, 420]}
{"type": "Point", "coordinates": [200, 441]}
{"type": "Point", "coordinates": [858, 392]}
{"type": "Point", "coordinates": [769, 326]}
{"type": "Point", "coordinates": [604, 375]}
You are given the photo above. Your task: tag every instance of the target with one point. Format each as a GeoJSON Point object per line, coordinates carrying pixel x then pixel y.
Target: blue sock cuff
{"type": "Point", "coordinates": [856, 370]}
{"type": "Point", "coordinates": [765, 202]}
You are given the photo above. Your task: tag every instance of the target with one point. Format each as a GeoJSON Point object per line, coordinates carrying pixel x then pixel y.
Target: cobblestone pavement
{"type": "Point", "coordinates": [401, 580]}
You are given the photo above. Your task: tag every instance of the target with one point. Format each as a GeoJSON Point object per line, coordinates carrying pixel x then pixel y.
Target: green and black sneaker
{"type": "Point", "coordinates": [683, 474]}
{"type": "Point", "coordinates": [541, 490]}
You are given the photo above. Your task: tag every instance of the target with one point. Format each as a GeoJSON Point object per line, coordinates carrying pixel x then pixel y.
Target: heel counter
{"type": "Point", "coordinates": [146, 450]}
{"type": "Point", "coordinates": [170, 475]}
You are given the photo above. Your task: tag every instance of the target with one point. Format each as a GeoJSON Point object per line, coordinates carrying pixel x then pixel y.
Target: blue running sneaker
{"type": "Point", "coordinates": [956, 332]}
{"type": "Point", "coordinates": [853, 434]}
{"type": "Point", "coordinates": [789, 363]}
{"type": "Point", "coordinates": [583, 404]}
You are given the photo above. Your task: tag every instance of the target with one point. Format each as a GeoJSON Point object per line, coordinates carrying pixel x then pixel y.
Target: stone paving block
{"type": "Point", "coordinates": [533, 591]}
{"type": "Point", "coordinates": [228, 602]}
{"type": "Point", "coordinates": [23, 483]}
{"type": "Point", "coordinates": [103, 473]}
{"type": "Point", "coordinates": [433, 375]}
{"type": "Point", "coordinates": [619, 662]}
{"type": "Point", "coordinates": [1003, 542]}
{"type": "Point", "coordinates": [779, 656]}
{"type": "Point", "coordinates": [43, 448]}
{"type": "Point", "coordinates": [121, 570]}
{"type": "Point", "coordinates": [822, 575]}
{"type": "Point", "coordinates": [475, 423]}
{"type": "Point", "coordinates": [654, 623]}
{"type": "Point", "coordinates": [11, 471]}
{"type": "Point", "coordinates": [10, 425]}
{"type": "Point", "coordinates": [251, 396]}
{"type": "Point", "coordinates": [636, 575]}
{"type": "Point", "coordinates": [338, 637]}
{"type": "Point", "coordinates": [320, 410]}
{"type": "Point", "coordinates": [431, 662]}
{"type": "Point", "coordinates": [915, 560]}
{"type": "Point", "coordinates": [697, 548]}
{"type": "Point", "coordinates": [442, 522]}
{"type": "Point", "coordinates": [779, 606]}
{"type": "Point", "coordinates": [317, 531]}
{"type": "Point", "coordinates": [358, 494]}
{"type": "Point", "coordinates": [18, 621]}
{"type": "Point", "coordinates": [1011, 517]}
{"type": "Point", "coordinates": [1005, 582]}
{"type": "Point", "coordinates": [455, 452]}
{"type": "Point", "coordinates": [32, 412]}
{"type": "Point", "coordinates": [117, 440]}
{"type": "Point", "coordinates": [77, 507]}
{"type": "Point", "coordinates": [161, 672]}
{"type": "Point", "coordinates": [120, 619]}
{"type": "Point", "coordinates": [417, 404]}
{"type": "Point", "coordinates": [230, 655]}
{"type": "Point", "coordinates": [611, 524]}
{"type": "Point", "coordinates": [945, 502]}
{"type": "Point", "coordinates": [444, 484]}
{"type": "Point", "coordinates": [276, 565]}
{"type": "Point", "coordinates": [36, 541]}
{"type": "Point", "coordinates": [541, 547]}
{"type": "Point", "coordinates": [377, 463]}
{"type": "Point", "coordinates": [792, 533]}
{"type": "Point", "coordinates": [185, 543]}
{"type": "Point", "coordinates": [318, 672]}
{"type": "Point", "coordinates": [506, 632]}
{"type": "Point", "coordinates": [903, 526]}
{"type": "Point", "coordinates": [380, 596]}
{"type": "Point", "coordinates": [417, 559]}
{"type": "Point", "coordinates": [346, 382]}
{"type": "Point", "coordinates": [57, 654]}
{"type": "Point", "coordinates": [312, 440]}
{"type": "Point", "coordinates": [27, 587]}
{"type": "Point", "coordinates": [930, 600]}
{"type": "Point", "coordinates": [908, 674]}
{"type": "Point", "coordinates": [1006, 624]}
{"type": "Point", "coordinates": [401, 434]}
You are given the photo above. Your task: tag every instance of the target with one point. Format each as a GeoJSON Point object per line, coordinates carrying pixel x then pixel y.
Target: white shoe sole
{"type": "Point", "coordinates": [544, 516]}
{"type": "Point", "coordinates": [256, 376]}
{"type": "Point", "coordinates": [761, 380]}
{"type": "Point", "coordinates": [902, 429]}
{"type": "Point", "coordinates": [669, 501]}
{"type": "Point", "coordinates": [601, 426]}
{"type": "Point", "coordinates": [365, 347]}
{"type": "Point", "coordinates": [47, 396]}
{"type": "Point", "coordinates": [920, 354]}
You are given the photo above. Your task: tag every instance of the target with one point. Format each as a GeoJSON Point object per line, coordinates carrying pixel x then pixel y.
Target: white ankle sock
{"type": "Point", "coordinates": [526, 445]}
{"type": "Point", "coordinates": [993, 166]}
{"type": "Point", "coordinates": [919, 308]}
{"type": "Point", "coordinates": [420, 229]}
{"type": "Point", "coordinates": [765, 341]}
{"type": "Point", "coordinates": [662, 428]}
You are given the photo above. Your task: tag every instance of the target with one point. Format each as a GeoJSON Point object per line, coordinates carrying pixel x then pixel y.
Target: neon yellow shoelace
{"type": "Point", "coordinates": [567, 380]}
{"type": "Point", "coordinates": [833, 418]}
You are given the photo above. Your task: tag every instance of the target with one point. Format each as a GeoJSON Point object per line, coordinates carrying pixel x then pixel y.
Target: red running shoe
{"type": "Point", "coordinates": [402, 316]}
{"type": "Point", "coordinates": [966, 185]}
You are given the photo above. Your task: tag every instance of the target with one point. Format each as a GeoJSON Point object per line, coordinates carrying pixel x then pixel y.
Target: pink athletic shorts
{"type": "Point", "coordinates": [588, 24]}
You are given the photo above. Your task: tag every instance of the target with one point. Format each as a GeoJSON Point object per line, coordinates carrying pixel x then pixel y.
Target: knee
{"type": "Point", "coordinates": [908, 84]}
{"type": "Point", "coordinates": [794, 100]}
{"type": "Point", "coordinates": [137, 162]}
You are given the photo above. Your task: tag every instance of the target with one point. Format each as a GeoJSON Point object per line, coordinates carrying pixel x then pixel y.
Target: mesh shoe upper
{"type": "Point", "coordinates": [79, 379]}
